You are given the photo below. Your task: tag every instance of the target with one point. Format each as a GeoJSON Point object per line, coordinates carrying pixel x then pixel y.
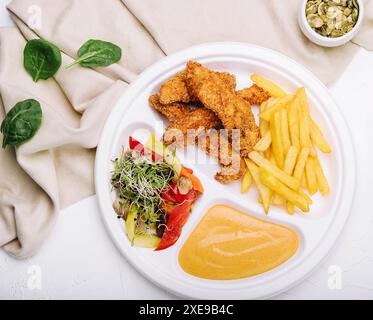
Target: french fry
{"type": "Point", "coordinates": [290, 195]}
{"type": "Point", "coordinates": [305, 196]}
{"type": "Point", "coordinates": [293, 118]}
{"type": "Point", "coordinates": [277, 145]}
{"type": "Point", "coordinates": [264, 125]}
{"type": "Point", "coordinates": [290, 208]}
{"type": "Point", "coordinates": [304, 130]}
{"type": "Point", "coordinates": [303, 181]}
{"type": "Point", "coordinates": [290, 161]}
{"type": "Point", "coordinates": [285, 130]}
{"type": "Point", "coordinates": [321, 179]}
{"type": "Point", "coordinates": [277, 106]}
{"type": "Point", "coordinates": [274, 90]}
{"type": "Point", "coordinates": [311, 176]}
{"type": "Point", "coordinates": [318, 138]}
{"type": "Point", "coordinates": [299, 173]}
{"type": "Point", "coordinates": [303, 100]}
{"type": "Point", "coordinates": [247, 182]}
{"type": "Point", "coordinates": [264, 105]}
{"type": "Point", "coordinates": [264, 192]}
{"type": "Point", "coordinates": [268, 153]}
{"type": "Point", "coordinates": [305, 122]}
{"type": "Point", "coordinates": [301, 163]}
{"type": "Point", "coordinates": [285, 178]}
{"type": "Point", "coordinates": [289, 137]}
{"type": "Point", "coordinates": [264, 143]}
{"type": "Point", "coordinates": [277, 200]}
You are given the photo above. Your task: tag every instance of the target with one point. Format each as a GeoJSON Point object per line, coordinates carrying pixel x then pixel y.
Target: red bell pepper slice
{"type": "Point", "coordinates": [172, 194]}
{"type": "Point", "coordinates": [136, 145]}
{"type": "Point", "coordinates": [139, 147]}
{"type": "Point", "coordinates": [177, 219]}
{"type": "Point", "coordinates": [169, 196]}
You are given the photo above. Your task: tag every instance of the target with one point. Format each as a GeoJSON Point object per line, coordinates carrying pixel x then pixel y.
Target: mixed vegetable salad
{"type": "Point", "coordinates": [155, 193]}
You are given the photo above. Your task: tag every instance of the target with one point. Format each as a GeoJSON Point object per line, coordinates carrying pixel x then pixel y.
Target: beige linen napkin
{"type": "Point", "coordinates": [58, 163]}
{"type": "Point", "coordinates": [55, 168]}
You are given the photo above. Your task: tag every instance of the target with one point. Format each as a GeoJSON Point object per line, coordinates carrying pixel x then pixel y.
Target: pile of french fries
{"type": "Point", "coordinates": [284, 165]}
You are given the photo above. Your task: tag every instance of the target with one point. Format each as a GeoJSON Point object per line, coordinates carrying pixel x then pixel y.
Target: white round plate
{"type": "Point", "coordinates": [318, 230]}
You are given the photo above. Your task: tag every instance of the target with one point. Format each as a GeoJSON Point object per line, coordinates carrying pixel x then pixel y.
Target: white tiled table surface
{"type": "Point", "coordinates": [79, 261]}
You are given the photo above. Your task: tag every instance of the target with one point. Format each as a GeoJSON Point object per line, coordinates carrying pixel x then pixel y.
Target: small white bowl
{"type": "Point", "coordinates": [325, 41]}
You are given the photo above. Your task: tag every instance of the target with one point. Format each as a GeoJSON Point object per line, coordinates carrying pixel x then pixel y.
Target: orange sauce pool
{"type": "Point", "coordinates": [228, 244]}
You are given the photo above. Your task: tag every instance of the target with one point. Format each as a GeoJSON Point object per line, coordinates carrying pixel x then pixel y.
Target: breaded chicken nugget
{"type": "Point", "coordinates": [254, 95]}
{"type": "Point", "coordinates": [233, 111]}
{"type": "Point", "coordinates": [175, 89]}
{"type": "Point", "coordinates": [201, 120]}
{"type": "Point", "coordinates": [184, 119]}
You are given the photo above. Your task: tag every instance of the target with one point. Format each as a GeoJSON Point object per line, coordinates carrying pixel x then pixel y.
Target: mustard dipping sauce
{"type": "Point", "coordinates": [228, 244]}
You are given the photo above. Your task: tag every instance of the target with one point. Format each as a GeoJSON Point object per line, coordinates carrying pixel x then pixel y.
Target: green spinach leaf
{"type": "Point", "coordinates": [21, 123]}
{"type": "Point", "coordinates": [97, 53]}
{"type": "Point", "coordinates": [41, 59]}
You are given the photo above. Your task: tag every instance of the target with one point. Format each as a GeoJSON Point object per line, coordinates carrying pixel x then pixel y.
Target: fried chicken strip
{"type": "Point", "coordinates": [201, 120]}
{"type": "Point", "coordinates": [183, 119]}
{"type": "Point", "coordinates": [176, 90]}
{"type": "Point", "coordinates": [218, 145]}
{"type": "Point", "coordinates": [254, 95]}
{"type": "Point", "coordinates": [172, 111]}
{"type": "Point", "coordinates": [233, 111]}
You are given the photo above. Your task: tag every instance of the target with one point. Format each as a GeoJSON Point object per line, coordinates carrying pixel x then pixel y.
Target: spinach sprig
{"type": "Point", "coordinates": [21, 123]}
{"type": "Point", "coordinates": [41, 59]}
{"type": "Point", "coordinates": [97, 53]}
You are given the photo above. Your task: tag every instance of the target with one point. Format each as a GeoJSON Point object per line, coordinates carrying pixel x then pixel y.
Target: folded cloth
{"type": "Point", "coordinates": [177, 24]}
{"type": "Point", "coordinates": [55, 168]}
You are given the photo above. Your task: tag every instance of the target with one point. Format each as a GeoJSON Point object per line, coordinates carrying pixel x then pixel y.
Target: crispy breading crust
{"type": "Point", "coordinates": [172, 111]}
{"type": "Point", "coordinates": [176, 90]}
{"type": "Point", "coordinates": [217, 145]}
{"type": "Point", "coordinates": [254, 95]}
{"type": "Point", "coordinates": [233, 111]}
{"type": "Point", "coordinates": [183, 119]}
{"type": "Point", "coordinates": [201, 120]}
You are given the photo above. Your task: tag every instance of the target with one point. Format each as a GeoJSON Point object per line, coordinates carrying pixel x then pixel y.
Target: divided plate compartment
{"type": "Point", "coordinates": [317, 230]}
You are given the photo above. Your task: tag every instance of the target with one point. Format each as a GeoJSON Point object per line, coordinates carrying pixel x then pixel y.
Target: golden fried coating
{"type": "Point", "coordinates": [201, 120]}
{"type": "Point", "coordinates": [196, 123]}
{"type": "Point", "coordinates": [172, 111]}
{"type": "Point", "coordinates": [233, 111]}
{"type": "Point", "coordinates": [254, 95]}
{"type": "Point", "coordinates": [176, 90]}
{"type": "Point", "coordinates": [217, 145]}
{"type": "Point", "coordinates": [184, 119]}
{"type": "Point", "coordinates": [230, 173]}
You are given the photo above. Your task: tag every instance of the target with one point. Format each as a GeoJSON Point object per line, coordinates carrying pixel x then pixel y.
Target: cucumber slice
{"type": "Point", "coordinates": [169, 155]}
{"type": "Point", "coordinates": [146, 241]}
{"type": "Point", "coordinates": [131, 224]}
{"type": "Point", "coordinates": [171, 158]}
